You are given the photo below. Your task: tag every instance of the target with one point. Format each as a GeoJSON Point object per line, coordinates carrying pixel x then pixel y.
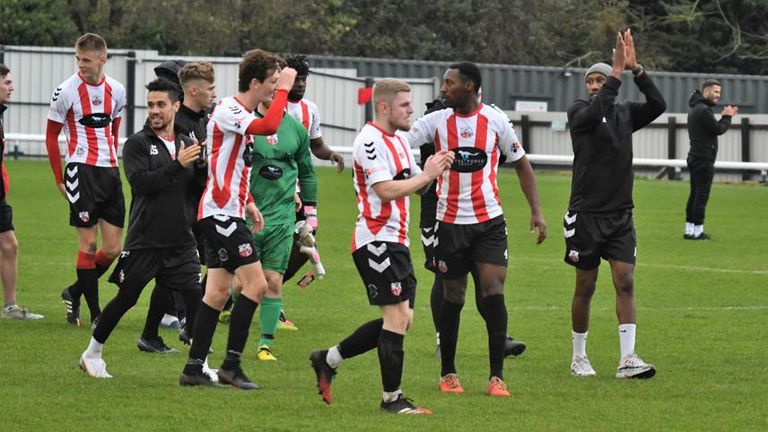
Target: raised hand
{"type": "Point", "coordinates": [286, 78]}
{"type": "Point", "coordinates": [619, 53]}
{"type": "Point", "coordinates": [730, 110]}
{"type": "Point", "coordinates": [630, 56]}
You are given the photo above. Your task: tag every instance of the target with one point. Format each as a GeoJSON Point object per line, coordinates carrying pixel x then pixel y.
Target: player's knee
{"type": "Point", "coordinates": [625, 286]}
{"type": "Point", "coordinates": [454, 296]}
{"type": "Point", "coordinates": [9, 246]}
{"type": "Point", "coordinates": [111, 251]}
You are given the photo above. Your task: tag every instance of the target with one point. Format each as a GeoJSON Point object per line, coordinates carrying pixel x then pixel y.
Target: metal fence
{"type": "Point", "coordinates": [334, 85]}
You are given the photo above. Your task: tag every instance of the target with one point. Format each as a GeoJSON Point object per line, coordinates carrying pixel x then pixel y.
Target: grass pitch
{"type": "Point", "coordinates": [702, 315]}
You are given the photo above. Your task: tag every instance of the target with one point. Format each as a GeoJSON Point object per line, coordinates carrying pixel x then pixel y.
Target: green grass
{"type": "Point", "coordinates": [702, 312]}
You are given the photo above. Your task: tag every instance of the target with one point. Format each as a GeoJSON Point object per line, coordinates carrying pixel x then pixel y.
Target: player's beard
{"type": "Point", "coordinates": [161, 126]}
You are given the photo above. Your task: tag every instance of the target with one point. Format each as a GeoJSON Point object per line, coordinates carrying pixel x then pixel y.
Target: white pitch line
{"type": "Point", "coordinates": [658, 309]}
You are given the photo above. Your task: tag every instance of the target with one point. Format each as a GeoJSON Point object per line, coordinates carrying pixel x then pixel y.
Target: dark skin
{"type": "Point", "coordinates": [623, 274]}
{"type": "Point", "coordinates": [318, 147]}
{"type": "Point", "coordinates": [462, 95]}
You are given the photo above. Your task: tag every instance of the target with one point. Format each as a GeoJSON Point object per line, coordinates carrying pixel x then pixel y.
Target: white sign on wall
{"type": "Point", "coordinates": [531, 106]}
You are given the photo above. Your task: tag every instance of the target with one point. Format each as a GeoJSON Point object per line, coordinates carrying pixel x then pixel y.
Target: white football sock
{"type": "Point", "coordinates": [698, 229]}
{"type": "Point", "coordinates": [334, 358]}
{"type": "Point", "coordinates": [579, 343]}
{"type": "Point", "coordinates": [391, 396]}
{"type": "Point", "coordinates": [627, 339]}
{"type": "Point", "coordinates": [94, 349]}
{"type": "Point", "coordinates": [689, 228]}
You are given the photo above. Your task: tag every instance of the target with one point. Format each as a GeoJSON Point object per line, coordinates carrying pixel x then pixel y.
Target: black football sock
{"type": "Point", "coordinates": [496, 324]}
{"type": "Point", "coordinates": [112, 314]}
{"type": "Point", "coordinates": [391, 359]}
{"type": "Point", "coordinates": [88, 280]}
{"type": "Point", "coordinates": [202, 333]}
{"type": "Point", "coordinates": [239, 324]}
{"type": "Point", "coordinates": [191, 305]}
{"type": "Point", "coordinates": [450, 316]}
{"type": "Point", "coordinates": [157, 305]}
{"type": "Point", "coordinates": [362, 340]}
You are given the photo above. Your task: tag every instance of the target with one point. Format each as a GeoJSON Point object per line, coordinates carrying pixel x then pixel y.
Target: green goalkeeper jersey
{"type": "Point", "coordinates": [278, 161]}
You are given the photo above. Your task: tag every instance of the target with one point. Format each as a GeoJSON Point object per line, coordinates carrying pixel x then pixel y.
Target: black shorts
{"type": "Point", "coordinates": [459, 247]}
{"type": "Point", "coordinates": [6, 217]}
{"type": "Point", "coordinates": [589, 237]}
{"type": "Point", "coordinates": [387, 273]}
{"type": "Point", "coordinates": [228, 243]}
{"type": "Point", "coordinates": [177, 269]}
{"type": "Point", "coordinates": [94, 193]}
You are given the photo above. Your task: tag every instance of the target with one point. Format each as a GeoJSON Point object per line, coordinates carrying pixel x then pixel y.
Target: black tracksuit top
{"type": "Point", "coordinates": [703, 128]}
{"type": "Point", "coordinates": [158, 216]}
{"type": "Point", "coordinates": [601, 132]}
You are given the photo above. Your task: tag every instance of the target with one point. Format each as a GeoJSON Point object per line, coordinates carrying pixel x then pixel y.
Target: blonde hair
{"type": "Point", "coordinates": [196, 70]}
{"type": "Point", "coordinates": [386, 90]}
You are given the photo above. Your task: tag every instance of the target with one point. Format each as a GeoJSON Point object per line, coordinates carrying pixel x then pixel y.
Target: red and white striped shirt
{"type": "Point", "coordinates": [306, 112]}
{"type": "Point", "coordinates": [380, 156]}
{"type": "Point", "coordinates": [468, 193]}
{"type": "Point", "coordinates": [226, 191]}
{"type": "Point", "coordinates": [86, 112]}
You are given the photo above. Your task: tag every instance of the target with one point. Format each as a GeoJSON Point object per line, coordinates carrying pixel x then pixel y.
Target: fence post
{"type": "Point", "coordinates": [746, 144]}
{"type": "Point", "coordinates": [369, 104]}
{"type": "Point", "coordinates": [525, 126]}
{"type": "Point", "coordinates": [673, 174]}
{"type": "Point", "coordinates": [130, 108]}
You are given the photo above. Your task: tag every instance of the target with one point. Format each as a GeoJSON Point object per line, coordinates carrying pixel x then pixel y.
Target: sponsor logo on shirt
{"type": "Point", "coordinates": [95, 120]}
{"type": "Point", "coordinates": [271, 172]}
{"type": "Point", "coordinates": [469, 159]}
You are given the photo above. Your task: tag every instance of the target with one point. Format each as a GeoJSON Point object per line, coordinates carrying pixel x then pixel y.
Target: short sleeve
{"type": "Point", "coordinates": [371, 156]}
{"type": "Point", "coordinates": [60, 104]}
{"type": "Point", "coordinates": [233, 118]}
{"type": "Point", "coordinates": [314, 127]}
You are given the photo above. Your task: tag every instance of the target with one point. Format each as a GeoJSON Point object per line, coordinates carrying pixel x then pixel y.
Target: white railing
{"type": "Point", "coordinates": [677, 164]}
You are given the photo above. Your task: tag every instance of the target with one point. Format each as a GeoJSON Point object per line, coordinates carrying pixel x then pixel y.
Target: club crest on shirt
{"type": "Point", "coordinates": [396, 288]}
{"type": "Point", "coordinates": [466, 132]}
{"type": "Point", "coordinates": [96, 100]}
{"type": "Point", "coordinates": [84, 216]}
{"type": "Point", "coordinates": [80, 151]}
{"type": "Point", "coordinates": [573, 255]}
{"type": "Point", "coordinates": [245, 250]}
{"type": "Point", "coordinates": [272, 139]}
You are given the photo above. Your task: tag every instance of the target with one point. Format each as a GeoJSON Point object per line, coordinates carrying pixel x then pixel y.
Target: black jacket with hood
{"type": "Point", "coordinates": [158, 216]}
{"type": "Point", "coordinates": [601, 131]}
{"type": "Point", "coordinates": [703, 128]}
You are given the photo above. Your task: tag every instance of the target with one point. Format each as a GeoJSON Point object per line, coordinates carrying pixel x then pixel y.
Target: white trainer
{"type": "Point", "coordinates": [95, 367]}
{"type": "Point", "coordinates": [16, 312]}
{"type": "Point", "coordinates": [580, 366]}
{"type": "Point", "coordinates": [170, 321]}
{"type": "Point", "coordinates": [211, 373]}
{"type": "Point", "coordinates": [632, 366]}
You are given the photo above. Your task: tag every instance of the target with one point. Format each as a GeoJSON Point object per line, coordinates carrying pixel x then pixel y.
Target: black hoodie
{"type": "Point", "coordinates": [703, 129]}
{"type": "Point", "coordinates": [601, 131]}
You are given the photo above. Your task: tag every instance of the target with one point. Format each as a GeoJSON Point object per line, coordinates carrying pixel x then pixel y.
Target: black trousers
{"type": "Point", "coordinates": [702, 172]}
